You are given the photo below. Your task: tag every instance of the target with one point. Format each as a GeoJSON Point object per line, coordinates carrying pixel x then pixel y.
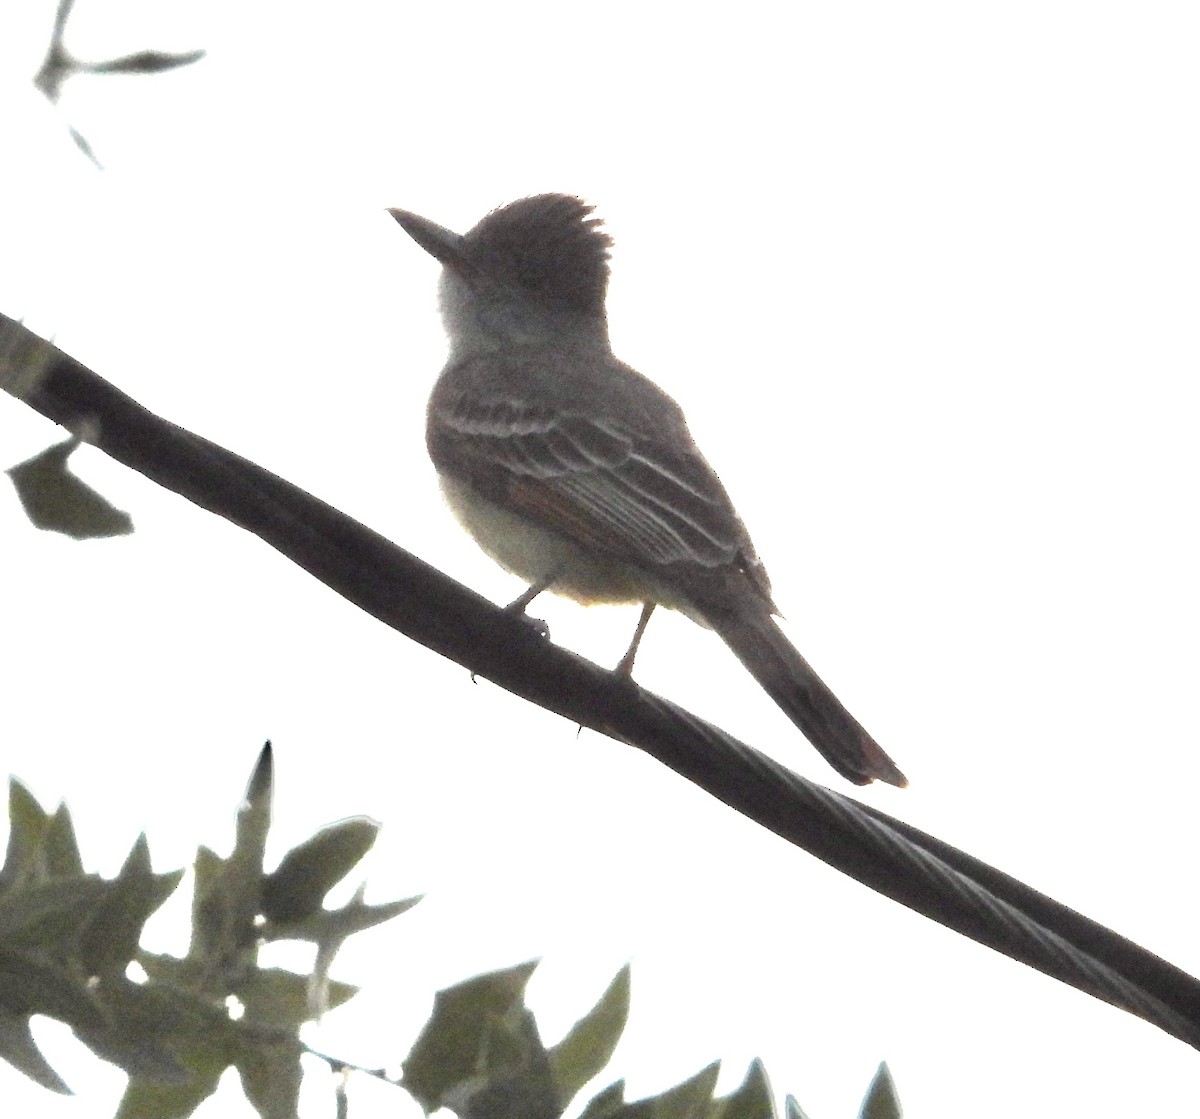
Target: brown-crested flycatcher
{"type": "Point", "coordinates": [578, 474]}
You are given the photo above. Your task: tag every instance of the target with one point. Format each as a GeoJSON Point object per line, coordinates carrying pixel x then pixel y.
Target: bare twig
{"type": "Point", "coordinates": [60, 64]}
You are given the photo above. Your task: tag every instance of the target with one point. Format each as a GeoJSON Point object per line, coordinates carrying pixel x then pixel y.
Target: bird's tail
{"type": "Point", "coordinates": [789, 680]}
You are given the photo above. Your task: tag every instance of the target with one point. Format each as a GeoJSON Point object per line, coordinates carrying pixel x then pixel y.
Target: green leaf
{"type": "Point", "coordinates": [328, 925]}
{"type": "Point", "coordinates": [111, 938]}
{"type": "Point", "coordinates": [514, 1080]}
{"type": "Point", "coordinates": [207, 869]}
{"type": "Point", "coordinates": [589, 1044]}
{"type": "Point", "coordinates": [29, 985]}
{"type": "Point", "coordinates": [59, 846]}
{"type": "Point", "coordinates": [752, 1099]}
{"type": "Point", "coordinates": [309, 871]}
{"type": "Point", "coordinates": [143, 1100]}
{"type": "Point", "coordinates": [201, 1040]}
{"type": "Point", "coordinates": [606, 1104]}
{"type": "Point", "coordinates": [26, 823]}
{"type": "Point", "coordinates": [56, 500]}
{"type": "Point", "coordinates": [173, 1015]}
{"type": "Point", "coordinates": [511, 1043]}
{"type": "Point", "coordinates": [160, 968]}
{"type": "Point", "coordinates": [229, 891]}
{"type": "Point", "coordinates": [208, 919]}
{"type": "Point", "coordinates": [223, 933]}
{"type": "Point", "coordinates": [254, 818]}
{"type": "Point", "coordinates": [330, 928]}
{"type": "Point", "coordinates": [262, 779]}
{"type": "Point", "coordinates": [138, 1046]}
{"type": "Point", "coordinates": [452, 1047]}
{"type": "Point", "coordinates": [480, 1054]}
{"type": "Point", "coordinates": [792, 1110]}
{"type": "Point", "coordinates": [881, 1101]}
{"type": "Point", "coordinates": [688, 1100]}
{"type": "Point", "coordinates": [280, 999]}
{"type": "Point", "coordinates": [50, 911]}
{"type": "Point", "coordinates": [17, 1047]}
{"type": "Point", "coordinates": [143, 62]}
{"type": "Point", "coordinates": [271, 1073]}
{"type": "Point", "coordinates": [161, 1034]}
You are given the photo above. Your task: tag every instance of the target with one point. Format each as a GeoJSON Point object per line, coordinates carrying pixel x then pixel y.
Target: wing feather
{"type": "Point", "coordinates": [603, 482]}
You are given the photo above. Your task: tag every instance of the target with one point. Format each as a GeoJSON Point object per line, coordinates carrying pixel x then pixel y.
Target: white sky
{"type": "Point", "coordinates": [925, 279]}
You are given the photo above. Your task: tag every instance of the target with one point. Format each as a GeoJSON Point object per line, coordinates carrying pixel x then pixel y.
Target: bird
{"type": "Point", "coordinates": [578, 474]}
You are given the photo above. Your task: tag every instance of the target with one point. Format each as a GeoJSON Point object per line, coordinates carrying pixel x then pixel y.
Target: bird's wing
{"type": "Point", "coordinates": [611, 488]}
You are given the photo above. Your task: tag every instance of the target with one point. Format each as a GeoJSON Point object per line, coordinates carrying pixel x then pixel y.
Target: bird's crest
{"type": "Point", "coordinates": [548, 246]}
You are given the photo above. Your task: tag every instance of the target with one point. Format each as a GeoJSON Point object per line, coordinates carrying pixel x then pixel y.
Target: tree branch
{"type": "Point", "coordinates": [897, 860]}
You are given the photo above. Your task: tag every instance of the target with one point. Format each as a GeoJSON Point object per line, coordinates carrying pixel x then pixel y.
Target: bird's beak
{"type": "Point", "coordinates": [442, 244]}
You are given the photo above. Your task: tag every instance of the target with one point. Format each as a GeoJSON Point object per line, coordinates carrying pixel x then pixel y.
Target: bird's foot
{"type": "Point", "coordinates": [539, 626]}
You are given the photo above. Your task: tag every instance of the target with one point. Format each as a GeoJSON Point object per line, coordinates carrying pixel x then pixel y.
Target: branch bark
{"type": "Point", "coordinates": [899, 861]}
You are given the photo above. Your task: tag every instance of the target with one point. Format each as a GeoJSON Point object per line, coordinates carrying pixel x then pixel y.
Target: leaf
{"type": "Point", "coordinates": [60, 849]}
{"type": "Point", "coordinates": [254, 815]}
{"type": "Point", "coordinates": [338, 926]}
{"type": "Point", "coordinates": [280, 999]}
{"type": "Point", "coordinates": [160, 968]}
{"type": "Point", "coordinates": [688, 1100]}
{"type": "Point", "coordinates": [56, 500]}
{"type": "Point", "coordinates": [452, 1047]}
{"type": "Point", "coordinates": [513, 1078]}
{"type": "Point", "coordinates": [327, 925]}
{"type": "Point", "coordinates": [606, 1104]}
{"type": "Point", "coordinates": [18, 1048]}
{"type": "Point", "coordinates": [26, 824]}
{"type": "Point", "coordinates": [309, 871]}
{"type": "Point", "coordinates": [82, 144]}
{"type": "Point", "coordinates": [49, 911]}
{"type": "Point", "coordinates": [143, 62]}
{"type": "Point", "coordinates": [329, 929]}
{"type": "Point", "coordinates": [512, 1045]}
{"type": "Point", "coordinates": [111, 938]}
{"type": "Point", "coordinates": [262, 778]}
{"type": "Point", "coordinates": [207, 869]}
{"type": "Point", "coordinates": [29, 985]}
{"type": "Point", "coordinates": [792, 1110]}
{"type": "Point", "coordinates": [229, 891]}
{"type": "Point", "coordinates": [589, 1044]}
{"type": "Point", "coordinates": [271, 1073]}
{"type": "Point", "coordinates": [208, 922]}
{"type": "Point", "coordinates": [67, 939]}
{"type": "Point", "coordinates": [158, 1033]}
{"type": "Point", "coordinates": [881, 1101]}
{"type": "Point", "coordinates": [166, 1101]}
{"type": "Point", "coordinates": [203, 1042]}
{"type": "Point", "coordinates": [752, 1099]}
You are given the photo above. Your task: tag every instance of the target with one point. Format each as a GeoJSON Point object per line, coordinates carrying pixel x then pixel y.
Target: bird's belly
{"type": "Point", "coordinates": [535, 554]}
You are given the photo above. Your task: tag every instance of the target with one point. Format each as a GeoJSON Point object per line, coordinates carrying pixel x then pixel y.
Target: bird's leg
{"type": "Point", "coordinates": [518, 604]}
{"type": "Point", "coordinates": [625, 668]}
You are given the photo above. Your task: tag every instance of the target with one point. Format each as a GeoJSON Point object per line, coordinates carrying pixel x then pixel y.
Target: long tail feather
{"type": "Point", "coordinates": [790, 681]}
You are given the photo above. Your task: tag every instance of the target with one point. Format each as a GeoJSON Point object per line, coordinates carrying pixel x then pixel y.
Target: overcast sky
{"type": "Point", "coordinates": [923, 276]}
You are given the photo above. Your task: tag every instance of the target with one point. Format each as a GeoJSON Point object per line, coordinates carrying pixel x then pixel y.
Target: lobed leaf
{"type": "Point", "coordinates": [589, 1044]}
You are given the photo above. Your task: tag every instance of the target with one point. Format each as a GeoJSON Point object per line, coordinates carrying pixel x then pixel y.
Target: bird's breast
{"type": "Point", "coordinates": [525, 549]}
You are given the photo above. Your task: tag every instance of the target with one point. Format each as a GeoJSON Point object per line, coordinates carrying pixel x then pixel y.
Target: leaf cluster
{"type": "Point", "coordinates": [481, 1056]}
{"type": "Point", "coordinates": [68, 939]}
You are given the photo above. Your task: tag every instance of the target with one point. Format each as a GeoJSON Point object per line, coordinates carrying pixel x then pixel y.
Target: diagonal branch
{"type": "Point", "coordinates": [899, 861]}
